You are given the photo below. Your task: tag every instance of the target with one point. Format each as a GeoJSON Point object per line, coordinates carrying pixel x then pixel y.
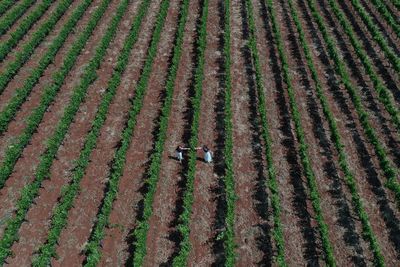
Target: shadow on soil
{"type": "Point", "coordinates": [260, 195]}
{"type": "Point", "coordinates": [345, 219]}
{"type": "Point", "coordinates": [386, 212]}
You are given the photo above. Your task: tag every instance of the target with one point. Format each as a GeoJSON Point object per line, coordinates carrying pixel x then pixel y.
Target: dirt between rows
{"type": "Point", "coordinates": [362, 160]}
{"type": "Point", "coordinates": [252, 212]}
{"type": "Point", "coordinates": [118, 248]}
{"type": "Point", "coordinates": [162, 242]}
{"type": "Point", "coordinates": [31, 237]}
{"type": "Point", "coordinates": [27, 163]}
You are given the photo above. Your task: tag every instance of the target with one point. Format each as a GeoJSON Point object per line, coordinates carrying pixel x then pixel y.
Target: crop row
{"type": "Point", "coordinates": [184, 218]}
{"type": "Point", "coordinates": [383, 93]}
{"type": "Point", "coordinates": [27, 50]}
{"type": "Point", "coordinates": [23, 28]}
{"type": "Point", "coordinates": [15, 13]}
{"type": "Point", "coordinates": [142, 227]}
{"type": "Point", "coordinates": [5, 5]}
{"type": "Point", "coordinates": [272, 181]}
{"type": "Point", "coordinates": [22, 93]}
{"type": "Point", "coordinates": [389, 171]}
{"type": "Point", "coordinates": [43, 170]}
{"type": "Point", "coordinates": [380, 5]}
{"type": "Point", "coordinates": [229, 180]}
{"type": "Point", "coordinates": [336, 138]}
{"type": "Point", "coordinates": [377, 35]}
{"type": "Point", "coordinates": [93, 253]}
{"type": "Point", "coordinates": [14, 152]}
{"type": "Point", "coordinates": [60, 213]}
{"type": "Point", "coordinates": [312, 184]}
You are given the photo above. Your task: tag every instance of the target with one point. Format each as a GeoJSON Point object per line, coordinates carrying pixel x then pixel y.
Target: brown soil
{"type": "Point", "coordinates": [33, 233]}
{"type": "Point", "coordinates": [252, 225]}
{"type": "Point", "coordinates": [118, 244]}
{"type": "Point", "coordinates": [207, 218]}
{"type": "Point", "coordinates": [27, 163]}
{"type": "Point", "coordinates": [33, 62]}
{"type": "Point", "coordinates": [360, 156]}
{"type": "Point", "coordinates": [161, 238]}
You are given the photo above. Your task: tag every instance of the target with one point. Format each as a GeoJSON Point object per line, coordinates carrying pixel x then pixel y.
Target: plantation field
{"type": "Point", "coordinates": [298, 101]}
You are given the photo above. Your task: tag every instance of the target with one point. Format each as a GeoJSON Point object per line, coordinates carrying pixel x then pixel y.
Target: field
{"type": "Point", "coordinates": [298, 101]}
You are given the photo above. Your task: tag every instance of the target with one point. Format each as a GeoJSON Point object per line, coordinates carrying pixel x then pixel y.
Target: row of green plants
{"type": "Point", "coordinates": [384, 95]}
{"type": "Point", "coordinates": [22, 56]}
{"type": "Point", "coordinates": [15, 13]}
{"type": "Point", "coordinates": [388, 15]}
{"type": "Point", "coordinates": [277, 231]}
{"type": "Point", "coordinates": [305, 160]}
{"type": "Point", "coordinates": [14, 151]}
{"type": "Point", "coordinates": [229, 179]}
{"type": "Point", "coordinates": [23, 28]}
{"type": "Point", "coordinates": [140, 233]}
{"type": "Point", "coordinates": [42, 172]}
{"type": "Point", "coordinates": [93, 251]}
{"type": "Point", "coordinates": [387, 167]}
{"type": "Point", "coordinates": [22, 93]}
{"type": "Point", "coordinates": [377, 35]}
{"type": "Point", "coordinates": [183, 227]}
{"type": "Point", "coordinates": [339, 146]}
{"type": "Point", "coordinates": [5, 5]}
{"type": "Point", "coordinates": [60, 213]}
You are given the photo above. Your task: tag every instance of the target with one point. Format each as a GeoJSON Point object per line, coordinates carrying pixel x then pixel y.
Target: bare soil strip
{"type": "Point", "coordinates": [252, 217]}
{"type": "Point", "coordinates": [34, 232]}
{"type": "Point", "coordinates": [161, 237]}
{"type": "Point", "coordinates": [27, 163]}
{"type": "Point", "coordinates": [207, 218]}
{"type": "Point", "coordinates": [383, 216]}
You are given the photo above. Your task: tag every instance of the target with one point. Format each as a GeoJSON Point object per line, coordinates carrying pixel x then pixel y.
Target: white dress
{"type": "Point", "coordinates": [179, 155]}
{"type": "Point", "coordinates": [207, 156]}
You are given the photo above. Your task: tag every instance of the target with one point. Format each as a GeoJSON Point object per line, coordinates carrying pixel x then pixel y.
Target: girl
{"type": "Point", "coordinates": [179, 154]}
{"type": "Point", "coordinates": [207, 154]}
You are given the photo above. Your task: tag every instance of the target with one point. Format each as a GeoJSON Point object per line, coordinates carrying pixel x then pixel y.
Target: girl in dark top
{"type": "Point", "coordinates": [179, 154]}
